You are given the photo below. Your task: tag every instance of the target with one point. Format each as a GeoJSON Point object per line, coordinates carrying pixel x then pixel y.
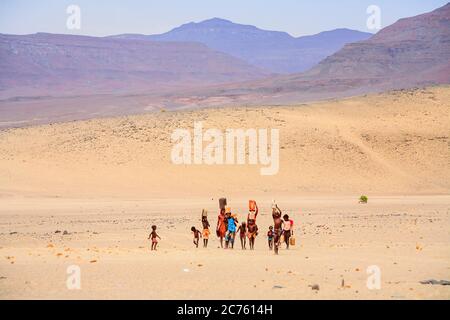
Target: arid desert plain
{"type": "Point", "coordinates": [85, 194]}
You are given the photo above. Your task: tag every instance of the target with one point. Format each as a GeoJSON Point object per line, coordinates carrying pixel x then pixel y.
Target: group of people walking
{"type": "Point", "coordinates": [228, 227]}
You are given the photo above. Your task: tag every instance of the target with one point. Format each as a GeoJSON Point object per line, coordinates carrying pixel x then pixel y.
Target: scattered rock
{"type": "Point", "coordinates": [65, 233]}
{"type": "Point", "coordinates": [58, 231]}
{"type": "Point", "coordinates": [93, 261]}
{"type": "Point", "coordinates": [277, 287]}
{"type": "Point", "coordinates": [436, 282]}
{"type": "Point", "coordinates": [11, 233]}
{"type": "Point", "coordinates": [315, 287]}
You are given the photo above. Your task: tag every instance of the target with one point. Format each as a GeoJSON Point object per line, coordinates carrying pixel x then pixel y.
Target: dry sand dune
{"type": "Point", "coordinates": [105, 181]}
{"type": "Point", "coordinates": [395, 143]}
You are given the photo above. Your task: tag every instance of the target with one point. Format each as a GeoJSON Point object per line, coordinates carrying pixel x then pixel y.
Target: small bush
{"type": "Point", "coordinates": [363, 199]}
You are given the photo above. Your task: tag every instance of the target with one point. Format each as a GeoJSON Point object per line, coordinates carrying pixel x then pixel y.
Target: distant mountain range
{"type": "Point", "coordinates": [273, 51]}
{"type": "Point", "coordinates": [133, 73]}
{"type": "Point", "coordinates": [214, 51]}
{"type": "Point", "coordinates": [51, 64]}
{"type": "Point", "coordinates": [412, 52]}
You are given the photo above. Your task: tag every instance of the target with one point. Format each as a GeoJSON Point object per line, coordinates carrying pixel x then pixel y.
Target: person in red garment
{"type": "Point", "coordinates": [221, 228]}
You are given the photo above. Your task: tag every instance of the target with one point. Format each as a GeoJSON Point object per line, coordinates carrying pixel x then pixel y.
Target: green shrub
{"type": "Point", "coordinates": [363, 199]}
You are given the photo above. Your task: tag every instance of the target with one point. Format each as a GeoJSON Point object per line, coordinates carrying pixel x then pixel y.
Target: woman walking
{"type": "Point", "coordinates": [221, 227]}
{"type": "Point", "coordinates": [277, 226]}
{"type": "Point", "coordinates": [287, 229]}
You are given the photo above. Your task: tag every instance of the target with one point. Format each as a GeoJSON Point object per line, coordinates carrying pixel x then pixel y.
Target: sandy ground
{"type": "Point", "coordinates": [105, 181]}
{"type": "Point", "coordinates": [407, 237]}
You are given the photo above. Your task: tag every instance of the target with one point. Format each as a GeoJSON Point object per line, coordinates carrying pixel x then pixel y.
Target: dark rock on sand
{"type": "Point", "coordinates": [436, 282]}
{"type": "Point", "coordinates": [277, 287]}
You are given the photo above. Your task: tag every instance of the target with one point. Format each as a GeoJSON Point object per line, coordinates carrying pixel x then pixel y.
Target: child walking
{"type": "Point", "coordinates": [243, 235]}
{"type": "Point", "coordinates": [154, 237]}
{"type": "Point", "coordinates": [197, 236]}
{"type": "Point", "coordinates": [206, 232]}
{"type": "Point", "coordinates": [270, 235]}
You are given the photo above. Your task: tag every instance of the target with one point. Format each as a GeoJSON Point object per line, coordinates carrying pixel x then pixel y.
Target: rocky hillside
{"type": "Point", "coordinates": [49, 64]}
{"type": "Point", "coordinates": [274, 51]}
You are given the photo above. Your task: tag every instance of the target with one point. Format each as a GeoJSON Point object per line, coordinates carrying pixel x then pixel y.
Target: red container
{"type": "Point", "coordinates": [252, 205]}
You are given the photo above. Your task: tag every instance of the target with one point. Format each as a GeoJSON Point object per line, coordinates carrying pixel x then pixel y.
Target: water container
{"type": "Point", "coordinates": [222, 203]}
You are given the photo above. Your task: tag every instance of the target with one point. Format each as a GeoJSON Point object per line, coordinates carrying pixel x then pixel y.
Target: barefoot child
{"type": "Point", "coordinates": [270, 235]}
{"type": "Point", "coordinates": [243, 235]}
{"type": "Point", "coordinates": [206, 231]}
{"type": "Point", "coordinates": [197, 235]}
{"type": "Point", "coordinates": [154, 236]}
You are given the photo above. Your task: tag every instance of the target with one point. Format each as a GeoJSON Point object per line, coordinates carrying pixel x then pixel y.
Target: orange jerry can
{"type": "Point", "coordinates": [292, 241]}
{"type": "Point", "coordinates": [252, 205]}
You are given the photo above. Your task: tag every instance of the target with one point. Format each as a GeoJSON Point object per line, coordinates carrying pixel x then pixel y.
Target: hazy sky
{"type": "Point", "coordinates": [107, 17]}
